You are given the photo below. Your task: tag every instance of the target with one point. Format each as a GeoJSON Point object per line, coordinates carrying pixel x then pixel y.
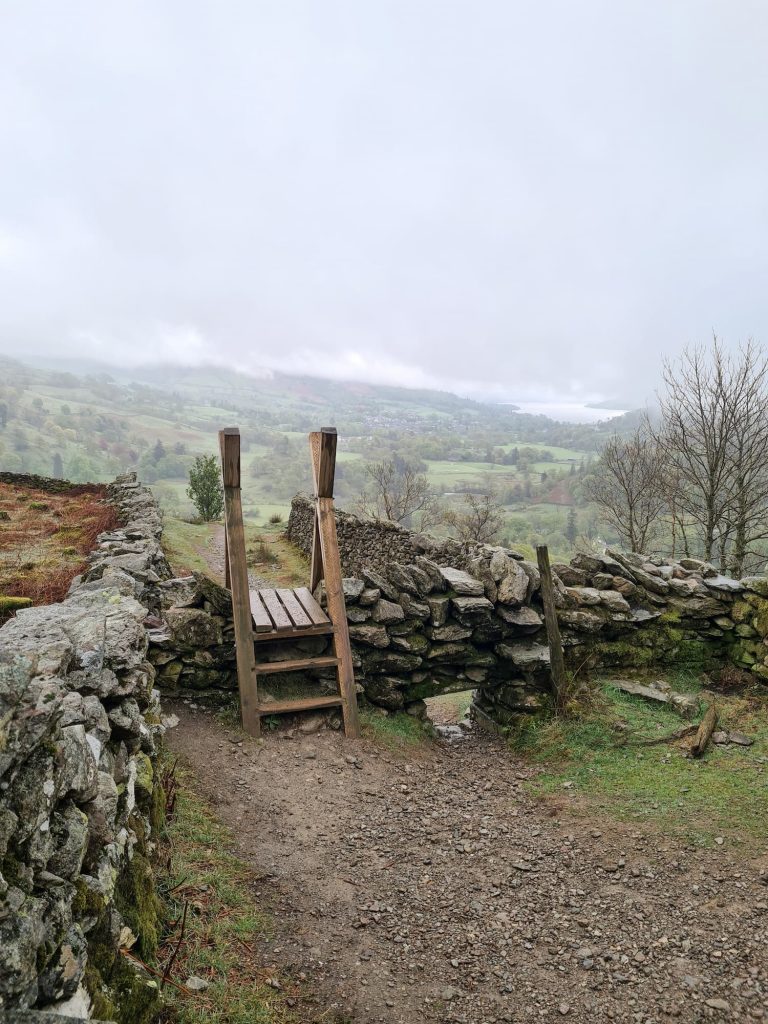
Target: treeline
{"type": "Point", "coordinates": [692, 478]}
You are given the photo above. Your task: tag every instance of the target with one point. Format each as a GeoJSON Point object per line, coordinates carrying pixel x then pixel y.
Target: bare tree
{"type": "Point", "coordinates": [746, 511]}
{"type": "Point", "coordinates": [714, 439]}
{"type": "Point", "coordinates": [481, 520]}
{"type": "Point", "coordinates": [397, 492]}
{"type": "Point", "coordinates": [628, 488]}
{"type": "Point", "coordinates": [696, 420]}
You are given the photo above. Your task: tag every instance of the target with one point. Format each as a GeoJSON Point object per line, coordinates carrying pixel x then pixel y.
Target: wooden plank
{"type": "Point", "coordinates": [556, 660]}
{"type": "Point", "coordinates": [338, 614]}
{"type": "Point", "coordinates": [222, 434]}
{"type": "Point", "coordinates": [229, 441]}
{"type": "Point", "coordinates": [295, 665]}
{"type": "Point", "coordinates": [300, 704]}
{"type": "Point", "coordinates": [277, 613]}
{"type": "Point", "coordinates": [296, 634]}
{"type": "Point", "coordinates": [296, 613]}
{"type": "Point", "coordinates": [327, 466]}
{"type": "Point", "coordinates": [316, 565]}
{"type": "Point", "coordinates": [311, 607]}
{"type": "Point", "coordinates": [259, 612]}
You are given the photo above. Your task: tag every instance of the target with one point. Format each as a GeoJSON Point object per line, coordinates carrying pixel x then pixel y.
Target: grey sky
{"type": "Point", "coordinates": [518, 197]}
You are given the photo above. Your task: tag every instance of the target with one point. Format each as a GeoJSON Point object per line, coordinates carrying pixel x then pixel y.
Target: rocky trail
{"type": "Point", "coordinates": [431, 887]}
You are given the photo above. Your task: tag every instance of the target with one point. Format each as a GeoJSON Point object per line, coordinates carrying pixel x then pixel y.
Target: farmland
{"type": "Point", "coordinates": [93, 426]}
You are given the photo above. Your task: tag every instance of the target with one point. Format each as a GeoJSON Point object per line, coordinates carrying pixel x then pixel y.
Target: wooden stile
{"type": "Point", "coordinates": [289, 614]}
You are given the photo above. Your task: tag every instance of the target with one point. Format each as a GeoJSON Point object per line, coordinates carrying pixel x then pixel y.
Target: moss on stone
{"type": "Point", "coordinates": [138, 903]}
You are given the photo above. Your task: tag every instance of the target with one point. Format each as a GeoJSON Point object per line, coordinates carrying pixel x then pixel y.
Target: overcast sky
{"type": "Point", "coordinates": [522, 198]}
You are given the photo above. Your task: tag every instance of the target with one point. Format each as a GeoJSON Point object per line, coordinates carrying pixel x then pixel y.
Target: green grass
{"type": "Point", "coordinates": [186, 544]}
{"type": "Point", "coordinates": [396, 731]}
{"type": "Point", "coordinates": [222, 929]}
{"type": "Point", "coordinates": [725, 793]}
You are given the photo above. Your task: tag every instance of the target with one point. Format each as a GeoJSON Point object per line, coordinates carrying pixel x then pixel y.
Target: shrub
{"type": "Point", "coordinates": [275, 518]}
{"type": "Point", "coordinates": [205, 490]}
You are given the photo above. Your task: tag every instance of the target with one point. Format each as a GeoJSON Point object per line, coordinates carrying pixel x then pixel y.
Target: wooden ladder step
{"type": "Point", "coordinates": [277, 707]}
{"type": "Point", "coordinates": [295, 665]}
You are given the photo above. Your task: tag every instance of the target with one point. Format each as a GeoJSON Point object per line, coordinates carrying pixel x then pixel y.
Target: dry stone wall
{"type": "Point", "coordinates": [423, 627]}
{"type": "Point", "coordinates": [80, 803]}
{"type": "Point", "coordinates": [370, 543]}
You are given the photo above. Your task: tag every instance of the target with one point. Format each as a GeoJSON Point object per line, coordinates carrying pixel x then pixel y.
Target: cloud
{"type": "Point", "coordinates": [489, 197]}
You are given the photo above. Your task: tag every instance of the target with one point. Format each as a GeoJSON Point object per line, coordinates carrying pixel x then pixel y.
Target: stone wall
{"type": "Point", "coordinates": [371, 543]}
{"type": "Point", "coordinates": [80, 803]}
{"type": "Point", "coordinates": [421, 629]}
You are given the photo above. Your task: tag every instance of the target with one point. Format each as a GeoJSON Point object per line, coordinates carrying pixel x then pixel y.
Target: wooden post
{"type": "Point", "coordinates": [556, 660]}
{"type": "Point", "coordinates": [229, 441]}
{"type": "Point", "coordinates": [323, 447]}
{"type": "Point", "coordinates": [226, 543]}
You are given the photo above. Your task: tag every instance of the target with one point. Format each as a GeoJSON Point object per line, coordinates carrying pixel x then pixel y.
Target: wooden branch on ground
{"type": "Point", "coordinates": [704, 732]}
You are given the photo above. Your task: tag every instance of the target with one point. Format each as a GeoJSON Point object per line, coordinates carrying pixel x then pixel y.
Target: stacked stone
{"type": "Point", "coordinates": [750, 617]}
{"type": "Point", "coordinates": [79, 800]}
{"type": "Point", "coordinates": [372, 543]}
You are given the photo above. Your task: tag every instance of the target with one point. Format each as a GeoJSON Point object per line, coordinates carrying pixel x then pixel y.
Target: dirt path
{"type": "Point", "coordinates": [434, 889]}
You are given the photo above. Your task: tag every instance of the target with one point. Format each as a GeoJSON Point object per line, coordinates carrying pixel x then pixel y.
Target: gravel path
{"type": "Point", "coordinates": [214, 556]}
{"type": "Point", "coordinates": [433, 888]}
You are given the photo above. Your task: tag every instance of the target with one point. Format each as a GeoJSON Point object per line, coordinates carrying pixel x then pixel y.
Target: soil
{"type": "Point", "coordinates": [431, 887]}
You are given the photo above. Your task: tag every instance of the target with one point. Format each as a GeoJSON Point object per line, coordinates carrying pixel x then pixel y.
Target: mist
{"type": "Point", "coordinates": [519, 202]}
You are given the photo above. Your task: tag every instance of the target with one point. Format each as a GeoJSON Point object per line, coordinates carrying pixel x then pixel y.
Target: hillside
{"type": "Point", "coordinates": [92, 424]}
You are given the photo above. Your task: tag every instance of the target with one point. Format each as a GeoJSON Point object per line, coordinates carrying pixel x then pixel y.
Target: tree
{"type": "Point", "coordinates": [205, 490]}
{"type": "Point", "coordinates": [714, 437]}
{"type": "Point", "coordinates": [627, 487]}
{"type": "Point", "coordinates": [158, 452]}
{"type": "Point", "coordinates": [398, 491]}
{"type": "Point", "coordinates": [571, 525]}
{"type": "Point", "coordinates": [58, 467]}
{"type": "Point", "coordinates": [696, 417]}
{"type": "Point", "coordinates": [481, 520]}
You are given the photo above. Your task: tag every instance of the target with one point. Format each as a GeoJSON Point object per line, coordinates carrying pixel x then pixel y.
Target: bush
{"type": "Point", "coordinates": [205, 490]}
{"type": "Point", "coordinates": [275, 518]}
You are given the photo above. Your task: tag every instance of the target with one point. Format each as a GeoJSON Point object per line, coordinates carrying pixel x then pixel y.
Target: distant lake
{"type": "Point", "coordinates": [570, 412]}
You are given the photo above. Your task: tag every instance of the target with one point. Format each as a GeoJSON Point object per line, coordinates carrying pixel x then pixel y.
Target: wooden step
{"type": "Point", "coordinates": [295, 634]}
{"type": "Point", "coordinates": [277, 707]}
{"type": "Point", "coordinates": [295, 665]}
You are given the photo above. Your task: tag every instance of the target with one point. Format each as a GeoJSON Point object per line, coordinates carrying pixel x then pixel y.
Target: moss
{"type": "Point", "coordinates": [145, 778]}
{"type": "Point", "coordinates": [87, 901]}
{"type": "Point", "coordinates": [760, 621]}
{"type": "Point", "coordinates": [121, 992]}
{"type": "Point", "coordinates": [137, 902]}
{"type": "Point", "coordinates": [12, 604]}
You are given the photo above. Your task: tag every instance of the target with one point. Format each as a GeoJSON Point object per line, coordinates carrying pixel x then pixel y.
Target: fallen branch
{"type": "Point", "coordinates": [704, 732]}
{"type": "Point", "coordinates": [167, 971]}
{"type": "Point", "coordinates": [679, 734]}
{"type": "Point", "coordinates": [157, 974]}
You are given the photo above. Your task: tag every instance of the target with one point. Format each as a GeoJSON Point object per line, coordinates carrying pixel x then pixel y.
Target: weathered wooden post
{"type": "Point", "coordinates": [556, 660]}
{"type": "Point", "coordinates": [326, 564]}
{"type": "Point", "coordinates": [229, 442]}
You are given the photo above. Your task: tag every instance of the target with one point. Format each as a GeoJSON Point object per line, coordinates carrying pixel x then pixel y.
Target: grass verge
{"type": "Point", "coordinates": [222, 927]}
{"type": "Point", "coordinates": [605, 758]}
{"type": "Point", "coordinates": [396, 731]}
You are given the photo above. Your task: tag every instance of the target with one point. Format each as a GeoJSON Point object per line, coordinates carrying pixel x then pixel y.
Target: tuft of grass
{"type": "Point", "coordinates": [223, 926]}
{"type": "Point", "coordinates": [394, 730]}
{"type": "Point", "coordinates": [602, 757]}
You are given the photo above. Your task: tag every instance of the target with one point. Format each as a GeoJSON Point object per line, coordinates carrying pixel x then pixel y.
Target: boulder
{"type": "Point", "coordinates": [461, 582]}
{"type": "Point", "coordinates": [513, 588]}
{"type": "Point", "coordinates": [192, 628]}
{"type": "Point", "coordinates": [386, 612]}
{"type": "Point", "coordinates": [352, 589]}
{"type": "Point", "coordinates": [373, 636]}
